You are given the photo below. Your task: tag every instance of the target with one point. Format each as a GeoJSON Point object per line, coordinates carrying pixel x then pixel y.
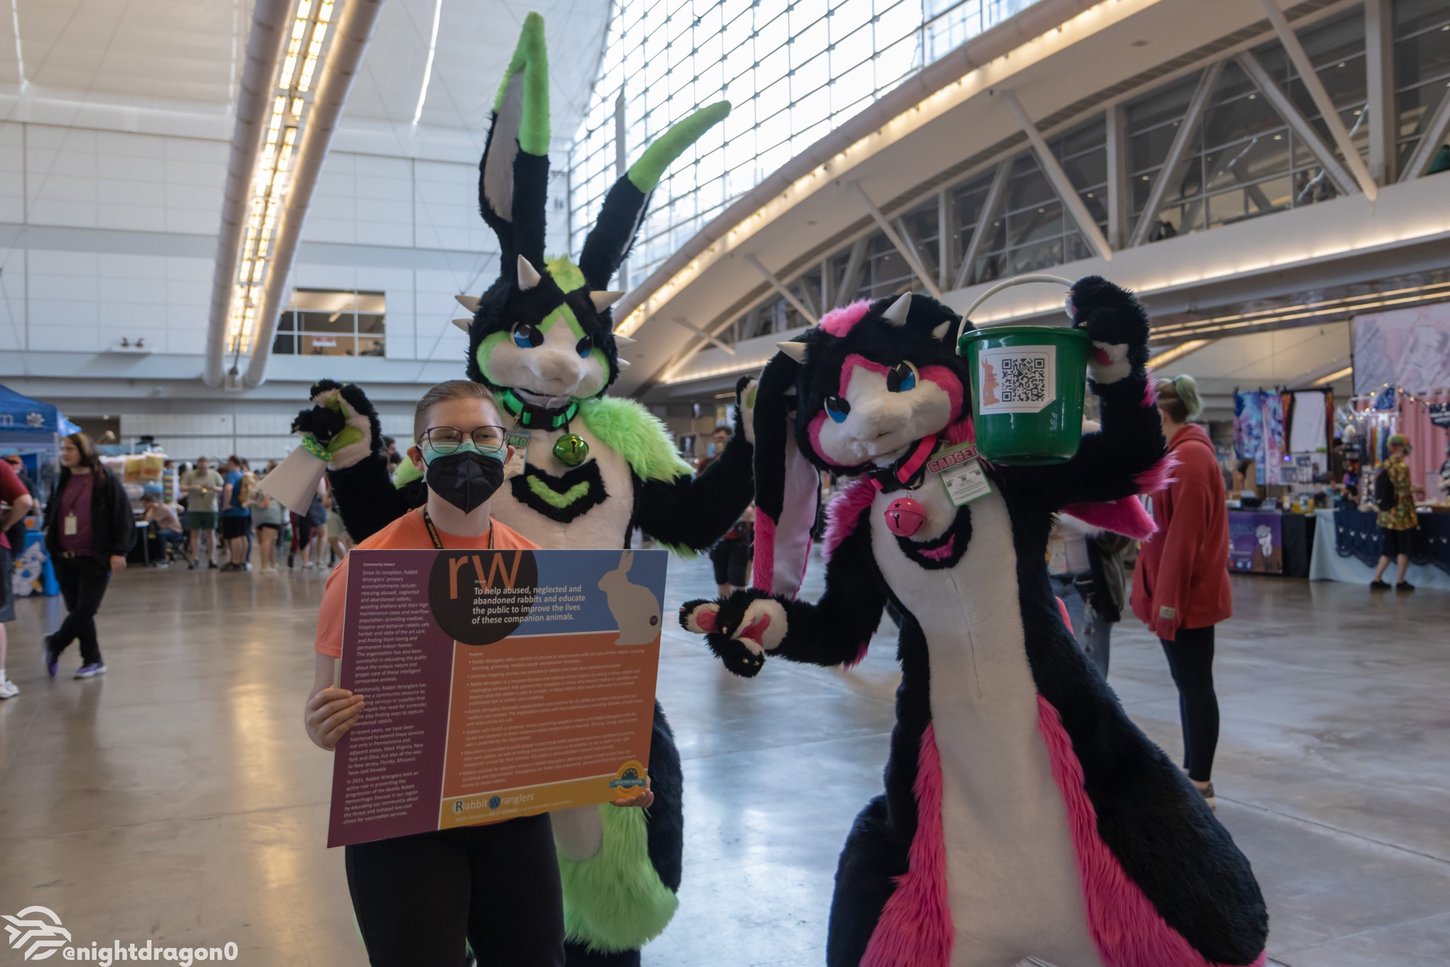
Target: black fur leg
{"type": "Point", "coordinates": [870, 861]}
{"type": "Point", "coordinates": [578, 955]}
{"type": "Point", "coordinates": [666, 826]}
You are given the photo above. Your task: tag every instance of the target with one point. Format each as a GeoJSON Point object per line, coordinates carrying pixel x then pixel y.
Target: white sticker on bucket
{"type": "Point", "coordinates": [1016, 379]}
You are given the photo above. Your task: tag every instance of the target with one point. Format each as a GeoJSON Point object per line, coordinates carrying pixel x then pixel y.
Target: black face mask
{"type": "Point", "coordinates": [465, 479]}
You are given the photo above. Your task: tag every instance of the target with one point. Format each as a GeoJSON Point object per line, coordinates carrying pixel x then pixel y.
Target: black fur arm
{"type": "Point", "coordinates": [743, 629]}
{"type": "Point", "coordinates": [1109, 462]}
{"type": "Point", "coordinates": [696, 511]}
{"type": "Point", "coordinates": [366, 498]}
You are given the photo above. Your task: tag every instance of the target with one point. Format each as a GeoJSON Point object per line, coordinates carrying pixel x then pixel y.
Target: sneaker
{"type": "Point", "coordinates": [211, 565]}
{"type": "Point", "coordinates": [8, 689]}
{"type": "Point", "coordinates": [191, 565]}
{"type": "Point", "coordinates": [92, 670]}
{"type": "Point", "coordinates": [1208, 795]}
{"type": "Point", "coordinates": [1404, 586]}
{"type": "Point", "coordinates": [1378, 585]}
{"type": "Point", "coordinates": [52, 657]}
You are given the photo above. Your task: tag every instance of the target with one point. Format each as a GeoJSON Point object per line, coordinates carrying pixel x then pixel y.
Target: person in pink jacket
{"type": "Point", "coordinates": [1180, 585]}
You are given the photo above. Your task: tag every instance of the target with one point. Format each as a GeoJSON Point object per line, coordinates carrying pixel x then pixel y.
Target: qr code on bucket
{"type": "Point", "coordinates": [1022, 379]}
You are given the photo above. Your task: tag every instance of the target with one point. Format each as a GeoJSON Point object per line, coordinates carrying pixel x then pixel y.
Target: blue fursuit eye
{"type": "Point", "coordinates": [584, 347]}
{"type": "Point", "coordinates": [837, 408]}
{"type": "Point", "coordinates": [901, 378]}
{"type": "Point", "coordinates": [527, 335]}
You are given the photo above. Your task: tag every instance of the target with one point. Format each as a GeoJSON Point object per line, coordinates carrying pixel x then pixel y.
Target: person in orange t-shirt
{"type": "Point", "coordinates": [418, 898]}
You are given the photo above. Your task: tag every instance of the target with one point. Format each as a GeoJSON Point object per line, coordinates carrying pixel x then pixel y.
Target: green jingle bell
{"type": "Point", "coordinates": [571, 450]}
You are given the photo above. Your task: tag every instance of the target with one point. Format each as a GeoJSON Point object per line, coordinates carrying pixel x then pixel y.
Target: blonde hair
{"type": "Point", "coordinates": [453, 389]}
{"type": "Point", "coordinates": [1178, 397]}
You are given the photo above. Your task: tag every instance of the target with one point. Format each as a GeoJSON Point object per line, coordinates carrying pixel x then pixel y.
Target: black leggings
{"type": "Point", "coordinates": [1190, 659]}
{"type": "Point", "coordinates": [83, 583]}
{"type": "Point", "coordinates": [418, 898]}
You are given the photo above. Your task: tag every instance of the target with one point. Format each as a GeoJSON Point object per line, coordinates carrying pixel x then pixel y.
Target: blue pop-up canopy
{"type": "Point", "coordinates": [24, 420]}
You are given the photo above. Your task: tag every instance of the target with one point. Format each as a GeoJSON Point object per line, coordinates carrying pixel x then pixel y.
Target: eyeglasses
{"type": "Point", "coordinates": [447, 439]}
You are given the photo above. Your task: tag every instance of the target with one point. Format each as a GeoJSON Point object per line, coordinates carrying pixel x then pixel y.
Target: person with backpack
{"type": "Point", "coordinates": [1394, 495]}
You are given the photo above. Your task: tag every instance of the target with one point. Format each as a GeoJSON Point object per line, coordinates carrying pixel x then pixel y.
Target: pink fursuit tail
{"type": "Point", "coordinates": [1125, 516]}
{"type": "Point", "coordinates": [1158, 476]}
{"type": "Point", "coordinates": [915, 929]}
{"type": "Point", "coordinates": [1125, 925]}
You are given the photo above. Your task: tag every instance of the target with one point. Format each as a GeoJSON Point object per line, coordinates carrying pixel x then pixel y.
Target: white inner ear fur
{"type": "Point", "coordinates": [881, 425]}
{"type": "Point", "coordinates": [551, 372]}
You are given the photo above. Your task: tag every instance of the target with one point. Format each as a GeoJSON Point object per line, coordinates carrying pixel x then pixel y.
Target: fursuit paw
{"type": "Point", "coordinates": [1116, 323]}
{"type": "Point", "coordinates": [741, 630]}
{"type": "Point", "coordinates": [341, 427]}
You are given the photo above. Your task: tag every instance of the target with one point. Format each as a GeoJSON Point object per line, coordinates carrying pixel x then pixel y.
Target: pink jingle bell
{"type": "Point", "coordinates": [905, 517]}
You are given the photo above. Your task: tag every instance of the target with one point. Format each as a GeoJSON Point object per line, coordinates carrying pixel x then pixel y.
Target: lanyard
{"type": "Point", "coordinates": [73, 491]}
{"type": "Point", "coordinates": [437, 541]}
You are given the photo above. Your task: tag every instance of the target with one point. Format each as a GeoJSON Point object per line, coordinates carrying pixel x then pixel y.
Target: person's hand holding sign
{"type": "Point", "coordinates": [329, 714]}
{"type": "Point", "coordinates": [643, 799]}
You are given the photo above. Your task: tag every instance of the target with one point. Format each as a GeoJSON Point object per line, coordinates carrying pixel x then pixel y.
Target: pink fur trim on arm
{"type": "Point", "coordinates": [915, 929]}
{"type": "Point", "coordinates": [1124, 516]}
{"type": "Point", "coordinates": [845, 511]}
{"type": "Point", "coordinates": [763, 571]}
{"type": "Point", "coordinates": [1125, 925]}
{"type": "Point", "coordinates": [1158, 476]}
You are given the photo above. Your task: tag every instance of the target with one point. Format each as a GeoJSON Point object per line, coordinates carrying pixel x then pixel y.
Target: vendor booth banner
{"type": "Point", "coordinates": [1409, 348]}
{"type": "Point", "coordinates": [1255, 542]}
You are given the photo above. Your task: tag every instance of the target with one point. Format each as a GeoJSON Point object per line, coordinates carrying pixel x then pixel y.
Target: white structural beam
{"type": "Point", "coordinates": [908, 253]}
{"type": "Point", "coordinates": [991, 207]}
{"type": "Point", "coordinates": [1187, 127]}
{"type": "Point", "coordinates": [1432, 138]}
{"type": "Point", "coordinates": [1071, 200]}
{"type": "Point", "coordinates": [1379, 68]}
{"type": "Point", "coordinates": [783, 289]}
{"type": "Point", "coordinates": [1303, 130]}
{"type": "Point", "coordinates": [1320, 96]}
{"type": "Point", "coordinates": [354, 28]}
{"type": "Point", "coordinates": [945, 228]}
{"type": "Point", "coordinates": [851, 276]}
{"type": "Point", "coordinates": [270, 26]}
{"type": "Point", "coordinates": [710, 338]}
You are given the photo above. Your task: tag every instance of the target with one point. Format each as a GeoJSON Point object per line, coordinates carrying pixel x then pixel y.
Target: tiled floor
{"type": "Point", "coordinates": [178, 799]}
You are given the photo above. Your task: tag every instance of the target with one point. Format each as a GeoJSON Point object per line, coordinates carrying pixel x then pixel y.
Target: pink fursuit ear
{"type": "Point", "coordinates": [840, 321]}
{"type": "Point", "coordinates": [1124, 516]}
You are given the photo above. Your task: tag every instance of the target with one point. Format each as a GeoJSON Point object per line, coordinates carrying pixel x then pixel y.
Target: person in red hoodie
{"type": "Point", "coordinates": [1180, 585]}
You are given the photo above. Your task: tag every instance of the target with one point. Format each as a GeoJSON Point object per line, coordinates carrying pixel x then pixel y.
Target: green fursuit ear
{"type": "Point", "coordinates": [531, 59]}
{"type": "Point", "coordinates": [645, 174]}
{"type": "Point", "coordinates": [623, 208]}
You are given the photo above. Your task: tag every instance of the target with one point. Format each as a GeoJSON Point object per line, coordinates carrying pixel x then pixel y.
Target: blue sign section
{"type": "Point", "coordinates": [596, 591]}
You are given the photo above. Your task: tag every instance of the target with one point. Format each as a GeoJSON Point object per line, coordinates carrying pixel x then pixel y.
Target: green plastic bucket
{"type": "Point", "coordinates": [1028, 385]}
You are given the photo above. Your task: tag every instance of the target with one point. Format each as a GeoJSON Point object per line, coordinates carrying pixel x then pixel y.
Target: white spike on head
{"type": "Point", "coordinates": [603, 300]}
{"type": "Point", "coordinates": [528, 275]}
{"type": "Point", "coordinates": [623, 342]}
{"type": "Point", "coordinates": [623, 364]}
{"type": "Point", "coordinates": [469, 302]}
{"type": "Point", "coordinates": [463, 324]}
{"type": "Point", "coordinates": [896, 313]}
{"type": "Point", "coordinates": [795, 350]}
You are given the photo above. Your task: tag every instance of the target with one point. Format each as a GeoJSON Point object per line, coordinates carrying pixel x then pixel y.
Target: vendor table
{"type": "Point", "coordinates": [1347, 546]}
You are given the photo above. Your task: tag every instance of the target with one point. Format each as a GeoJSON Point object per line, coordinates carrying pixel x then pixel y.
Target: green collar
{"type": "Point", "coordinates": [537, 417]}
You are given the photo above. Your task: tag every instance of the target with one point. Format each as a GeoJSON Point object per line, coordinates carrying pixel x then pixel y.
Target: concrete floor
{"type": "Point", "coordinates": [178, 798]}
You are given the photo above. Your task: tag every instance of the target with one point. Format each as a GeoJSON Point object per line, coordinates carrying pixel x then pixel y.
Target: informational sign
{"type": "Point", "coordinates": [496, 684]}
{"type": "Point", "coordinates": [1255, 542]}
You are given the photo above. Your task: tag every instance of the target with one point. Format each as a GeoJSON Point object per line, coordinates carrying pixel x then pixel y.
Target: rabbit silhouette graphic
{"type": "Point", "coordinates": [634, 606]}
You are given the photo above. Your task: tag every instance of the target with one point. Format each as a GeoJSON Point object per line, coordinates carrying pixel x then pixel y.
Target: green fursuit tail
{"type": "Point", "coordinates": [615, 900]}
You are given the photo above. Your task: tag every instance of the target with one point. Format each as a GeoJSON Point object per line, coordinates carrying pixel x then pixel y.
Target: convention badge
{"type": "Point", "coordinates": [961, 473]}
{"type": "Point", "coordinates": [72, 526]}
{"type": "Point", "coordinates": [518, 438]}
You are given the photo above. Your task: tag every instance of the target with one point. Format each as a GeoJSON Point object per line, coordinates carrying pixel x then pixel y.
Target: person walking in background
{"type": "Point", "coordinates": [15, 503]}
{"type": "Point", "coordinates": [1088, 574]}
{"type": "Point", "coordinates": [268, 516]}
{"type": "Point", "coordinates": [236, 516]}
{"type": "Point", "coordinates": [202, 486]}
{"type": "Point", "coordinates": [1180, 586]}
{"type": "Point", "coordinates": [88, 530]}
{"type": "Point", "coordinates": [1398, 521]}
{"type": "Point", "coordinates": [335, 533]}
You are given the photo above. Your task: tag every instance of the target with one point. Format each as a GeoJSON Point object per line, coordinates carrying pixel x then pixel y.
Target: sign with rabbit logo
{"type": "Point", "coordinates": [499, 683]}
